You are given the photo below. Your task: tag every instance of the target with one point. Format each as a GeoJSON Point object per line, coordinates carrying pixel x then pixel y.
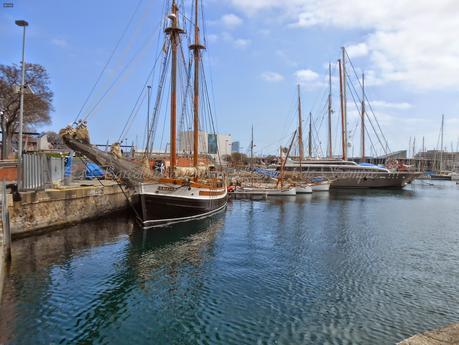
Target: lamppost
{"type": "Point", "coordinates": [23, 24]}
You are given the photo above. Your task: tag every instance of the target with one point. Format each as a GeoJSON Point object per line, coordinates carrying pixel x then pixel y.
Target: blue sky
{"type": "Point", "coordinates": [258, 50]}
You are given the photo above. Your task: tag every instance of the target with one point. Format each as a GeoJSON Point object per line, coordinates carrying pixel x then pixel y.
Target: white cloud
{"type": "Point", "coordinates": [390, 105]}
{"type": "Point", "coordinates": [237, 42]}
{"type": "Point", "coordinates": [231, 20]}
{"type": "Point", "coordinates": [241, 42]}
{"type": "Point", "coordinates": [357, 50]}
{"type": "Point", "coordinates": [212, 38]}
{"type": "Point", "coordinates": [59, 42]}
{"type": "Point", "coordinates": [409, 42]}
{"type": "Point", "coordinates": [306, 76]}
{"type": "Point", "coordinates": [272, 77]}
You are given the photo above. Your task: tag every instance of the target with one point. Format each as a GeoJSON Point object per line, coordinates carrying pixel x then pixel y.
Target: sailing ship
{"type": "Point", "coordinates": [343, 173]}
{"type": "Point", "coordinates": [441, 174]}
{"type": "Point", "coordinates": [180, 195]}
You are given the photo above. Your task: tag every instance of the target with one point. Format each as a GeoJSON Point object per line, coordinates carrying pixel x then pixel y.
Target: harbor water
{"type": "Point", "coordinates": [345, 267]}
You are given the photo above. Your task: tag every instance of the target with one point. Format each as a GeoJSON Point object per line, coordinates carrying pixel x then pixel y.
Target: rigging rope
{"type": "Point", "coordinates": [109, 59]}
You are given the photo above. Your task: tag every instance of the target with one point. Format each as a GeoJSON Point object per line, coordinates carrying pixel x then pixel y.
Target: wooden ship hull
{"type": "Point", "coordinates": [162, 204]}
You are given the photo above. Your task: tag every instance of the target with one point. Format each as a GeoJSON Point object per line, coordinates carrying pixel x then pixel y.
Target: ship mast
{"type": "Point", "coordinates": [344, 105]}
{"type": "Point", "coordinates": [310, 136]}
{"type": "Point", "coordinates": [330, 148]}
{"type": "Point", "coordinates": [251, 151]}
{"type": "Point", "coordinates": [174, 35]}
{"type": "Point", "coordinates": [300, 128]}
{"type": "Point", "coordinates": [362, 129]}
{"type": "Point", "coordinates": [441, 142]}
{"type": "Point", "coordinates": [343, 115]}
{"type": "Point", "coordinates": [196, 47]}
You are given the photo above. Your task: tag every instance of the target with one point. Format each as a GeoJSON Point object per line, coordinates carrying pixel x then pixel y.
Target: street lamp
{"type": "Point", "coordinates": [23, 24]}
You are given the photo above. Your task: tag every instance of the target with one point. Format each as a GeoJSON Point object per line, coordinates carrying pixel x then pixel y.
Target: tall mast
{"type": "Point", "coordinates": [343, 116]}
{"type": "Point", "coordinates": [362, 133]}
{"type": "Point", "coordinates": [330, 148]}
{"type": "Point", "coordinates": [148, 119]}
{"type": "Point", "coordinates": [344, 105]}
{"type": "Point", "coordinates": [196, 47]}
{"type": "Point", "coordinates": [300, 127]}
{"type": "Point", "coordinates": [441, 142]}
{"type": "Point", "coordinates": [251, 151]}
{"type": "Point", "coordinates": [310, 136]}
{"type": "Point", "coordinates": [173, 31]}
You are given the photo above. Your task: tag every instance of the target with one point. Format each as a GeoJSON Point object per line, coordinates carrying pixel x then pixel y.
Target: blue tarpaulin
{"type": "Point", "coordinates": [68, 166]}
{"type": "Point", "coordinates": [94, 171]}
{"type": "Point", "coordinates": [266, 172]}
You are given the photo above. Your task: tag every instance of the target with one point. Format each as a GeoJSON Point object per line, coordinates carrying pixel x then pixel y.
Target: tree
{"type": "Point", "coordinates": [55, 140]}
{"type": "Point", "coordinates": [38, 99]}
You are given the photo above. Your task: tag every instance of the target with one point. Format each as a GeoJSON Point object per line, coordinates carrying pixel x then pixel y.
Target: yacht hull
{"type": "Point", "coordinates": [389, 180]}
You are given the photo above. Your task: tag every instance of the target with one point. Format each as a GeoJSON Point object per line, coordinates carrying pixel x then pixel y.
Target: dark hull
{"type": "Point", "coordinates": [441, 177]}
{"type": "Point", "coordinates": [159, 210]}
{"type": "Point", "coordinates": [366, 180]}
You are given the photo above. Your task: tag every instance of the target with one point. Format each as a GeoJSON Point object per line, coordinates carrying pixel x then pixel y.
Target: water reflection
{"type": "Point", "coordinates": [83, 279]}
{"type": "Point", "coordinates": [363, 267]}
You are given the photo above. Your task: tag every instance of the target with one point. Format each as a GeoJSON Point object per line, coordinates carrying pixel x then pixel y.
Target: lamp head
{"type": "Point", "coordinates": [22, 23]}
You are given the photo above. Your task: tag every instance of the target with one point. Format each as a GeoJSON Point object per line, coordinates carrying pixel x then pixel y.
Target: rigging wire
{"type": "Point", "coordinates": [109, 59]}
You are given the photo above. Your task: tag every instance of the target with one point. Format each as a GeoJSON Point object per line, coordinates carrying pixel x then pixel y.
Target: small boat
{"type": "Point", "coordinates": [287, 191]}
{"type": "Point", "coordinates": [304, 189]}
{"type": "Point", "coordinates": [321, 186]}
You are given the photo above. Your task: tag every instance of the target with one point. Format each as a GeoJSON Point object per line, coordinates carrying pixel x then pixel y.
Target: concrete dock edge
{"type": "Point", "coordinates": [448, 335]}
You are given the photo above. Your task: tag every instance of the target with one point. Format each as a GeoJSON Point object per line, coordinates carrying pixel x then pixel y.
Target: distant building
{"type": "Point", "coordinates": [209, 143]}
{"type": "Point", "coordinates": [235, 147]}
{"type": "Point", "coordinates": [186, 142]}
